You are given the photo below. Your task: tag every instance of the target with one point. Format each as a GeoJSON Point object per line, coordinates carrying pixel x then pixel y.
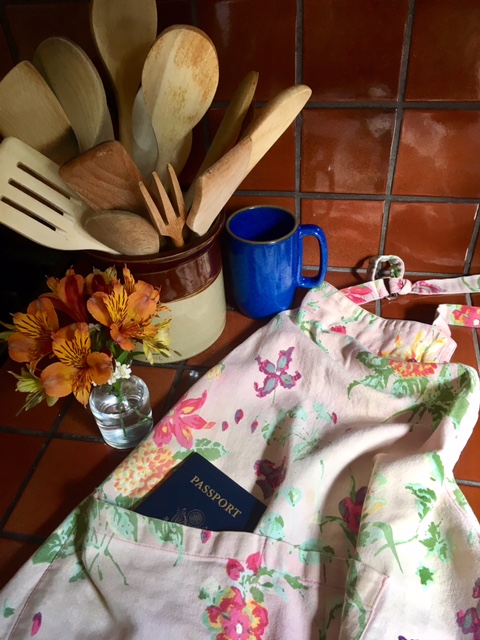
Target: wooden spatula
{"type": "Point", "coordinates": [30, 112]}
{"type": "Point", "coordinates": [217, 184]}
{"type": "Point", "coordinates": [75, 81]}
{"type": "Point", "coordinates": [179, 80]}
{"type": "Point", "coordinates": [35, 202]}
{"type": "Point", "coordinates": [106, 178]}
{"type": "Point", "coordinates": [124, 31]}
{"type": "Point", "coordinates": [123, 231]}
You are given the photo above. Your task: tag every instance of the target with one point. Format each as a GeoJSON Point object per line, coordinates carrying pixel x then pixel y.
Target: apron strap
{"type": "Point", "coordinates": [387, 281]}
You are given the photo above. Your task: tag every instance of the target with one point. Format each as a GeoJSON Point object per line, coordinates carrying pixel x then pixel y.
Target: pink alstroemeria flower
{"type": "Point", "coordinates": [180, 421]}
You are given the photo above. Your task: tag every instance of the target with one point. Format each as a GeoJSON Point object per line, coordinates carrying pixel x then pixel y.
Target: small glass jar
{"type": "Point", "coordinates": [122, 411]}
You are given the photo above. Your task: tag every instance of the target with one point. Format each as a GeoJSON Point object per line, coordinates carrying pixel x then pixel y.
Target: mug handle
{"type": "Point", "coordinates": [313, 230]}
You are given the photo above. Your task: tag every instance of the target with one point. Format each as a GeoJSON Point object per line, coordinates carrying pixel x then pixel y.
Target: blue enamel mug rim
{"type": "Point", "coordinates": [303, 230]}
{"type": "Point", "coordinates": [296, 224]}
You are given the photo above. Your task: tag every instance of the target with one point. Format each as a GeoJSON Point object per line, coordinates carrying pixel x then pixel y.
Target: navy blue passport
{"type": "Point", "coordinates": [197, 494]}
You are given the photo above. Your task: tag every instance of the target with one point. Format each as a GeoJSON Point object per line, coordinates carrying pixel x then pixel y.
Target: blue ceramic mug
{"type": "Point", "coordinates": [265, 259]}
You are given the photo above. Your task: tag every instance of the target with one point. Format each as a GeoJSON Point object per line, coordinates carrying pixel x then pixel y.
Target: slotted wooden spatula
{"type": "Point", "coordinates": [106, 178]}
{"type": "Point", "coordinates": [30, 111]}
{"type": "Point", "coordinates": [35, 202]}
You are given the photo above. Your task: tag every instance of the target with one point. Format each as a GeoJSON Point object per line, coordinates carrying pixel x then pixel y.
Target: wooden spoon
{"type": "Point", "coordinates": [127, 233]}
{"type": "Point", "coordinates": [124, 31]}
{"type": "Point", "coordinates": [179, 80]}
{"type": "Point", "coordinates": [30, 112]}
{"type": "Point", "coordinates": [230, 126]}
{"type": "Point", "coordinates": [217, 184]}
{"type": "Point", "coordinates": [75, 81]}
{"type": "Point", "coordinates": [106, 178]}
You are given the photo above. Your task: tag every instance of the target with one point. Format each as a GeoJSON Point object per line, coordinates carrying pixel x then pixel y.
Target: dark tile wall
{"type": "Point", "coordinates": [386, 154]}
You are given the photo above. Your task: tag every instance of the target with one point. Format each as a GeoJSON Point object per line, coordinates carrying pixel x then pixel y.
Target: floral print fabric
{"type": "Point", "coordinates": [347, 426]}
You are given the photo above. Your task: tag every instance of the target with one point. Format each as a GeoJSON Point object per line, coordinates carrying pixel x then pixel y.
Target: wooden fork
{"type": "Point", "coordinates": [170, 224]}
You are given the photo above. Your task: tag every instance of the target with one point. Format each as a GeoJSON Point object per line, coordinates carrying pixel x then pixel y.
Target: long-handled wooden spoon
{"type": "Point", "coordinates": [179, 80]}
{"type": "Point", "coordinates": [126, 232]}
{"type": "Point", "coordinates": [30, 112]}
{"type": "Point", "coordinates": [217, 184]}
{"type": "Point", "coordinates": [230, 126]}
{"type": "Point", "coordinates": [75, 81]}
{"type": "Point", "coordinates": [106, 178]}
{"type": "Point", "coordinates": [124, 31]}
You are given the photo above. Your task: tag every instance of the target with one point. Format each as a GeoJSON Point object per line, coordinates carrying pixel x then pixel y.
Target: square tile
{"type": "Point", "coordinates": [352, 228]}
{"type": "Point", "coordinates": [445, 36]}
{"type": "Point", "coordinates": [439, 154]}
{"type": "Point", "coordinates": [247, 39]}
{"type": "Point", "coordinates": [67, 473]}
{"type": "Point", "coordinates": [475, 264]}
{"type": "Point", "coordinates": [40, 418]}
{"type": "Point", "coordinates": [17, 456]}
{"type": "Point", "coordinates": [346, 150]}
{"type": "Point", "coordinates": [465, 351]}
{"type": "Point", "coordinates": [13, 554]}
{"type": "Point", "coordinates": [431, 237]}
{"type": "Point", "coordinates": [353, 50]}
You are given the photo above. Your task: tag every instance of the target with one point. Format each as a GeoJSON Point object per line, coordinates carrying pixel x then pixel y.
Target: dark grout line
{"type": "Point", "coordinates": [468, 483]}
{"type": "Point", "coordinates": [22, 537]}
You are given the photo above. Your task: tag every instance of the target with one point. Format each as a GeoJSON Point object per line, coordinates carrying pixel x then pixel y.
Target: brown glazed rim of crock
{"type": "Point", "coordinates": [171, 255]}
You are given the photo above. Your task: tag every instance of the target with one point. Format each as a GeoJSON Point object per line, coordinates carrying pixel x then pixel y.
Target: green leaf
{"type": "Point", "coordinates": [425, 574]}
{"type": "Point", "coordinates": [293, 495]}
{"type": "Point", "coordinates": [387, 531]}
{"type": "Point", "coordinates": [425, 498]}
{"type": "Point", "coordinates": [256, 594]}
{"type": "Point", "coordinates": [209, 450]}
{"type": "Point", "coordinates": [203, 595]}
{"type": "Point", "coordinates": [437, 465]}
{"type": "Point", "coordinates": [273, 526]}
{"type": "Point", "coordinates": [7, 611]}
{"type": "Point", "coordinates": [321, 412]}
{"type": "Point", "coordinates": [295, 582]}
{"type": "Point", "coordinates": [126, 523]}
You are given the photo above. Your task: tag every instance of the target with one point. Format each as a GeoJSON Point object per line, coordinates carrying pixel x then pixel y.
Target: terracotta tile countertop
{"type": "Point", "coordinates": [51, 458]}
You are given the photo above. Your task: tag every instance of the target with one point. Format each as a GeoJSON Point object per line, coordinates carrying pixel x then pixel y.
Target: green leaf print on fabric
{"type": "Point", "coordinates": [293, 495]}
{"type": "Point", "coordinates": [425, 574]}
{"type": "Point", "coordinates": [425, 498]}
{"type": "Point", "coordinates": [209, 449]}
{"type": "Point", "coordinates": [168, 532]}
{"type": "Point", "coordinates": [437, 467]}
{"type": "Point", "coordinates": [7, 611]}
{"type": "Point", "coordinates": [436, 544]}
{"type": "Point", "coordinates": [273, 526]}
{"type": "Point", "coordinates": [125, 523]}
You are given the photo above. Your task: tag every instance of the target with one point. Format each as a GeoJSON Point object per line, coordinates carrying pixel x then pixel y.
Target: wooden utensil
{"type": "Point", "coordinates": [214, 187]}
{"type": "Point", "coordinates": [173, 227]}
{"type": "Point", "coordinates": [144, 150]}
{"type": "Point", "coordinates": [126, 232]}
{"type": "Point", "coordinates": [30, 112]}
{"type": "Point", "coordinates": [35, 202]}
{"type": "Point", "coordinates": [106, 178]}
{"type": "Point", "coordinates": [230, 126]}
{"type": "Point", "coordinates": [178, 200]}
{"type": "Point", "coordinates": [124, 31]}
{"type": "Point", "coordinates": [76, 83]}
{"type": "Point", "coordinates": [179, 80]}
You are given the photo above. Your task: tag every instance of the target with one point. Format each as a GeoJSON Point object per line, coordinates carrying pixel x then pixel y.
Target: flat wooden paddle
{"type": "Point", "coordinates": [106, 178]}
{"type": "Point", "coordinates": [75, 81]}
{"type": "Point", "coordinates": [30, 112]}
{"type": "Point", "coordinates": [179, 80]}
{"type": "Point", "coordinates": [124, 31]}
{"type": "Point", "coordinates": [126, 232]}
{"type": "Point", "coordinates": [215, 186]}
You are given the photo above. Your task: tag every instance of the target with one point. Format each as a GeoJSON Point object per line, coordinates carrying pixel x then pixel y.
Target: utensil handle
{"type": "Point", "coordinates": [305, 230]}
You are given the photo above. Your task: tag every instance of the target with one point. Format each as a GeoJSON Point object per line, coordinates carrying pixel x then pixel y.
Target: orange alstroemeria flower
{"type": "Point", "coordinates": [127, 310]}
{"type": "Point", "coordinates": [34, 333]}
{"type": "Point", "coordinates": [78, 368]}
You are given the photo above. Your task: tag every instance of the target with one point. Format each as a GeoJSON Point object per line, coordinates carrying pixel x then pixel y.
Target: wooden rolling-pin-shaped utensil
{"type": "Point", "coordinates": [126, 232]}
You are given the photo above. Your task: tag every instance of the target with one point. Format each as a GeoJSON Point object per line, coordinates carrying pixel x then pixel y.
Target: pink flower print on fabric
{"type": "Point", "coordinates": [272, 476]}
{"type": "Point", "coordinates": [361, 293]}
{"type": "Point", "coordinates": [234, 617]}
{"type": "Point", "coordinates": [36, 624]}
{"type": "Point", "coordinates": [469, 620]}
{"type": "Point", "coordinates": [466, 316]}
{"type": "Point", "coordinates": [351, 510]}
{"type": "Point", "coordinates": [276, 374]}
{"type": "Point", "coordinates": [180, 421]}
